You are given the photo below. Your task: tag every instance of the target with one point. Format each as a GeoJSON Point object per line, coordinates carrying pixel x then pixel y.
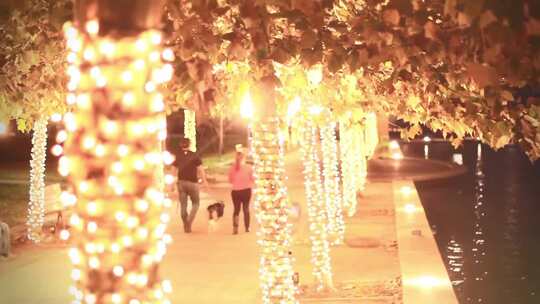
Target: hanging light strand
{"type": "Point", "coordinates": [112, 159]}
{"type": "Point", "coordinates": [36, 208]}
{"type": "Point", "coordinates": [271, 205]}
{"type": "Point", "coordinates": [320, 248]}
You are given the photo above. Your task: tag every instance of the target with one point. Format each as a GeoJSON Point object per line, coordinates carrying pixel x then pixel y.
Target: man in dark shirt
{"type": "Point", "coordinates": [188, 165]}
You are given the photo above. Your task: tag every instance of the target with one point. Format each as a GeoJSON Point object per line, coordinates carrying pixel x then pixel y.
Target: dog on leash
{"type": "Point", "coordinates": [5, 242]}
{"type": "Point", "coordinates": [215, 212]}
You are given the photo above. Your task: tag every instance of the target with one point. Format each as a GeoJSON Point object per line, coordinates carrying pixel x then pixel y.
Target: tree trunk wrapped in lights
{"type": "Point", "coordinates": [320, 248]}
{"type": "Point", "coordinates": [112, 154]}
{"type": "Point", "coordinates": [36, 209]}
{"type": "Point", "coordinates": [361, 148]}
{"type": "Point", "coordinates": [272, 212]}
{"type": "Point", "coordinates": [336, 227]}
{"type": "Point", "coordinates": [348, 156]}
{"type": "Point", "coordinates": [190, 129]}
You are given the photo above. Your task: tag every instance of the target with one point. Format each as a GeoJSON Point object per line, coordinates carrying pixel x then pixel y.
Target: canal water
{"type": "Point", "coordinates": [486, 222]}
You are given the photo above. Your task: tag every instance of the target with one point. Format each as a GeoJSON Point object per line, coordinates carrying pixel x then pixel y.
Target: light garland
{"type": "Point", "coordinates": [336, 224]}
{"type": "Point", "coordinates": [36, 208]}
{"type": "Point", "coordinates": [320, 248]}
{"type": "Point", "coordinates": [190, 129]}
{"type": "Point", "coordinates": [112, 160]}
{"type": "Point", "coordinates": [272, 212]}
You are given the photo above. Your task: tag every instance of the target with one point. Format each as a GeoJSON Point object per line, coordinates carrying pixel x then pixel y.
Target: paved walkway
{"type": "Point", "coordinates": [221, 268]}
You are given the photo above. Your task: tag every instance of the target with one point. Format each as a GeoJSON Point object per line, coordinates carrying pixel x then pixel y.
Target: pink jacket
{"type": "Point", "coordinates": [242, 178]}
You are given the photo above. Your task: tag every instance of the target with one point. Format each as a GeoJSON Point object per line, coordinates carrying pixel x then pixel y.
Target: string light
{"type": "Point", "coordinates": [190, 129]}
{"type": "Point", "coordinates": [336, 224]}
{"type": "Point", "coordinates": [113, 162]}
{"type": "Point", "coordinates": [271, 205]}
{"type": "Point", "coordinates": [320, 248]}
{"type": "Point", "coordinates": [36, 208]}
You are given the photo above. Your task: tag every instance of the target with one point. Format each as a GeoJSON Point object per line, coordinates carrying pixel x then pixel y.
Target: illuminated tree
{"type": "Point", "coordinates": [31, 86]}
{"type": "Point", "coordinates": [112, 154]}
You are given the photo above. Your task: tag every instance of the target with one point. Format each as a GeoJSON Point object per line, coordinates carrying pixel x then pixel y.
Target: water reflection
{"type": "Point", "coordinates": [478, 268]}
{"type": "Point", "coordinates": [487, 223]}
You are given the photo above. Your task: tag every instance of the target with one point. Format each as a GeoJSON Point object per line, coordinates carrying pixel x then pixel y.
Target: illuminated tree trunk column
{"type": "Point", "coordinates": [348, 174]}
{"type": "Point", "coordinates": [112, 157]}
{"type": "Point", "coordinates": [272, 212]}
{"type": "Point", "coordinates": [36, 209]}
{"type": "Point", "coordinates": [190, 129]}
{"type": "Point", "coordinates": [361, 149]}
{"type": "Point", "coordinates": [332, 191]}
{"type": "Point", "coordinates": [320, 248]}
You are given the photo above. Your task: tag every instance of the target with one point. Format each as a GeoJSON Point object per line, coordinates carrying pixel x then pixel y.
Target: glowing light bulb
{"type": "Point", "coordinates": [127, 76]}
{"type": "Point", "coordinates": [64, 235]}
{"type": "Point", "coordinates": [92, 27]}
{"type": "Point", "coordinates": [107, 48]}
{"type": "Point", "coordinates": [122, 150]}
{"type": "Point", "coordinates": [93, 263]}
{"type": "Point", "coordinates": [56, 117]}
{"type": "Point", "coordinates": [88, 142]}
{"type": "Point", "coordinates": [168, 55]}
{"type": "Point", "coordinates": [92, 208]}
{"type": "Point", "coordinates": [71, 98]}
{"type": "Point", "coordinates": [118, 270]}
{"type": "Point", "coordinates": [61, 136]}
{"type": "Point", "coordinates": [409, 208]}
{"type": "Point", "coordinates": [157, 103]}
{"type": "Point", "coordinates": [141, 205]}
{"type": "Point", "coordinates": [71, 57]}
{"type": "Point", "coordinates": [155, 37]}
{"type": "Point", "coordinates": [57, 150]}
{"type": "Point", "coordinates": [139, 64]}
{"type": "Point", "coordinates": [128, 99]}
{"type": "Point", "coordinates": [150, 87]}
{"type": "Point", "coordinates": [91, 227]}
{"type": "Point", "coordinates": [406, 190]}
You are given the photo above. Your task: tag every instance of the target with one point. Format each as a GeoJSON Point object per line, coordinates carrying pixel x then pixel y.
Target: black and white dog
{"type": "Point", "coordinates": [215, 212]}
{"type": "Point", "coordinates": [5, 242]}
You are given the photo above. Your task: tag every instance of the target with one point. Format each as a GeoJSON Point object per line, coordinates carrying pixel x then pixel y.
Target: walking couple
{"type": "Point", "coordinates": [189, 166]}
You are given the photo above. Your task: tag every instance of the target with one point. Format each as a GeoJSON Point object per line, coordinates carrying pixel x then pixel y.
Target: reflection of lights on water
{"type": "Point", "coordinates": [427, 282]}
{"type": "Point", "coordinates": [457, 158]}
{"type": "Point", "coordinates": [426, 151]}
{"type": "Point", "coordinates": [406, 190]}
{"type": "Point", "coordinates": [397, 155]}
{"type": "Point", "coordinates": [454, 254]}
{"type": "Point", "coordinates": [410, 208]}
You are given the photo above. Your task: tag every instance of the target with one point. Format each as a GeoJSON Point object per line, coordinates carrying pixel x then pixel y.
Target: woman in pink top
{"type": "Point", "coordinates": [242, 180]}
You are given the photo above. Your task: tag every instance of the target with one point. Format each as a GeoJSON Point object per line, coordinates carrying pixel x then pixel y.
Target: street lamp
{"type": "Point", "coordinates": [247, 111]}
